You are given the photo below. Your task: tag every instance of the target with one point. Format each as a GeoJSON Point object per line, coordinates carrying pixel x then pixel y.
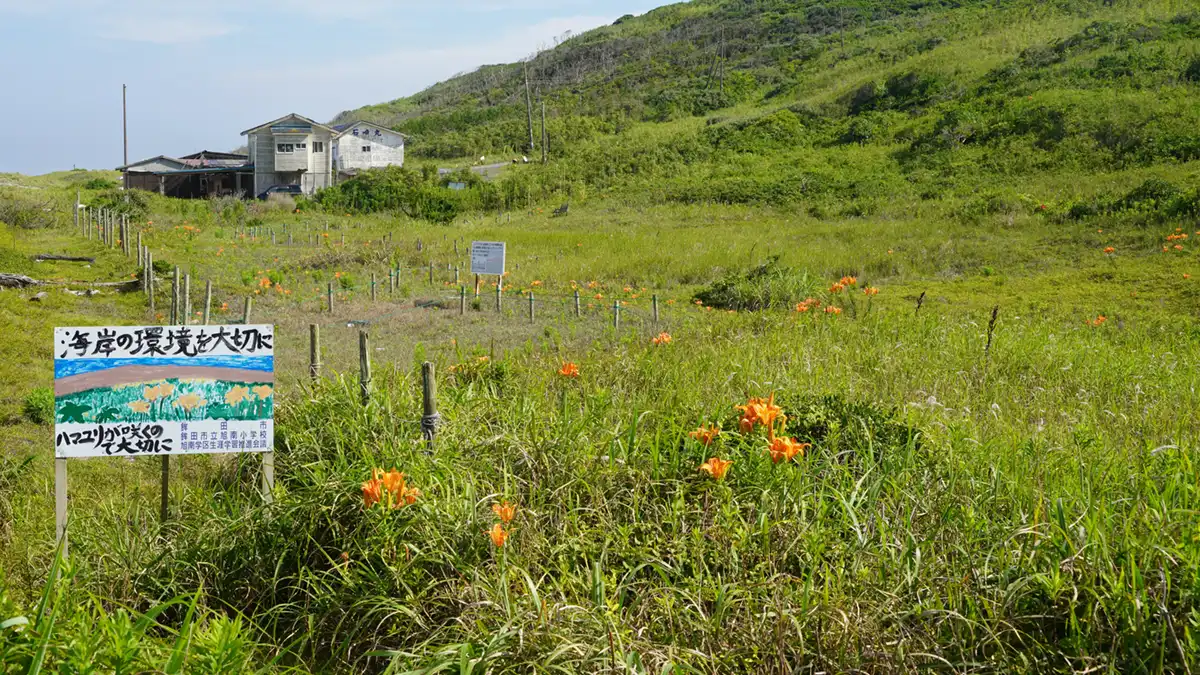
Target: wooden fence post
{"type": "Point", "coordinates": [207, 301]}
{"type": "Point", "coordinates": [431, 273]}
{"type": "Point", "coordinates": [187, 299]}
{"type": "Point", "coordinates": [314, 350]}
{"type": "Point", "coordinates": [576, 303]}
{"type": "Point", "coordinates": [462, 300]}
{"type": "Point", "coordinates": [374, 283]}
{"type": "Point", "coordinates": [456, 275]}
{"type": "Point", "coordinates": [499, 293]}
{"type": "Point", "coordinates": [530, 306]}
{"type": "Point", "coordinates": [150, 279]}
{"type": "Point", "coordinates": [364, 366]}
{"type": "Point", "coordinates": [429, 421]}
{"type": "Point", "coordinates": [175, 289]}
{"type": "Point", "coordinates": [654, 306]}
{"type": "Point", "coordinates": [246, 310]}
{"type": "Point", "coordinates": [476, 286]}
{"type": "Point", "coordinates": [329, 296]}
{"type": "Point", "coordinates": [60, 503]}
{"type": "Point", "coordinates": [616, 314]}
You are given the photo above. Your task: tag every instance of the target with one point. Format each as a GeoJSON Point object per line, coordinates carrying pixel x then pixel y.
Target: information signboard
{"type": "Point", "coordinates": [487, 257]}
{"type": "Point", "coordinates": [163, 390]}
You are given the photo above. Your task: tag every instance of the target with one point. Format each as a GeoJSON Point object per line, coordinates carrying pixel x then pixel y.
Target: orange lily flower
{"type": "Point", "coordinates": [372, 491]}
{"type": "Point", "coordinates": [716, 467]}
{"type": "Point", "coordinates": [505, 511]}
{"type": "Point", "coordinates": [662, 339]}
{"type": "Point", "coordinates": [706, 435]}
{"type": "Point", "coordinates": [498, 534]}
{"type": "Point", "coordinates": [569, 369]}
{"type": "Point", "coordinates": [784, 449]}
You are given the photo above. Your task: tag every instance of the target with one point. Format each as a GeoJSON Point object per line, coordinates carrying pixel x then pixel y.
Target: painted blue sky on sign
{"type": "Point", "coordinates": [67, 368]}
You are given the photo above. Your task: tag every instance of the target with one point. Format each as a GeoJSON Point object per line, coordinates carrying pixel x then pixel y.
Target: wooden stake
{"type": "Point", "coordinates": [187, 299]}
{"type": "Point", "coordinates": [374, 283]}
{"type": "Point", "coordinates": [576, 303]}
{"type": "Point", "coordinates": [654, 306]}
{"type": "Point", "coordinates": [176, 297]}
{"type": "Point", "coordinates": [462, 300]}
{"type": "Point", "coordinates": [246, 309]}
{"type": "Point", "coordinates": [207, 301]}
{"type": "Point", "coordinates": [314, 350]}
{"type": "Point", "coordinates": [150, 279]}
{"type": "Point", "coordinates": [268, 476]}
{"type": "Point", "coordinates": [476, 286]}
{"type": "Point", "coordinates": [329, 297]}
{"type": "Point", "coordinates": [499, 293]}
{"type": "Point", "coordinates": [530, 306]}
{"type": "Point", "coordinates": [364, 366]}
{"type": "Point", "coordinates": [431, 273]}
{"type": "Point", "coordinates": [616, 314]}
{"type": "Point", "coordinates": [60, 503]}
{"type": "Point", "coordinates": [429, 421]}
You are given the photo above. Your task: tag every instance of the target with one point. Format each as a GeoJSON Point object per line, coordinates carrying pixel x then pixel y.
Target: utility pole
{"type": "Point", "coordinates": [545, 137]}
{"type": "Point", "coordinates": [528, 106]}
{"type": "Point", "coordinates": [124, 139]}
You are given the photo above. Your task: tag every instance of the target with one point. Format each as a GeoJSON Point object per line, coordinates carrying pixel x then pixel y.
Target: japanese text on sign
{"type": "Point", "coordinates": [487, 257]}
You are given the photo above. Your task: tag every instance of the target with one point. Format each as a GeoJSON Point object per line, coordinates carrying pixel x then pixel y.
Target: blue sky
{"type": "Point", "coordinates": [202, 71]}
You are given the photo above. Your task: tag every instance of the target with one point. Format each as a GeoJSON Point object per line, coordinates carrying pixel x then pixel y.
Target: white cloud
{"type": "Point", "coordinates": [164, 30]}
{"type": "Point", "coordinates": [349, 83]}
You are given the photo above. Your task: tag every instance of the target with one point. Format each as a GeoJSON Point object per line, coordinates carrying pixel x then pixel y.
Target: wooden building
{"type": "Point", "coordinates": [196, 176]}
{"type": "Point", "coordinates": [292, 150]}
{"type": "Point", "coordinates": [364, 145]}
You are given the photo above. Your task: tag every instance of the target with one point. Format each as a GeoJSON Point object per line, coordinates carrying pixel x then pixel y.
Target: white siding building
{"type": "Point", "coordinates": [292, 150]}
{"type": "Point", "coordinates": [364, 145]}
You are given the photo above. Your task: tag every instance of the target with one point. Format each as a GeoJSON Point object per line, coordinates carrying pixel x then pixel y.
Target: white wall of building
{"type": "Point", "coordinates": [370, 148]}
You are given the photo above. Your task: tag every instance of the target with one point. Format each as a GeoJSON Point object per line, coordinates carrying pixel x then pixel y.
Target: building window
{"type": "Point", "coordinates": [366, 148]}
{"type": "Point", "coordinates": [285, 147]}
{"type": "Point", "coordinates": [318, 146]}
{"type": "Point", "coordinates": [301, 146]}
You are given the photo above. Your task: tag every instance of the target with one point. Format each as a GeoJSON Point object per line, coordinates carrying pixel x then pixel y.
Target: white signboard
{"type": "Point", "coordinates": [163, 390]}
{"type": "Point", "coordinates": [487, 257]}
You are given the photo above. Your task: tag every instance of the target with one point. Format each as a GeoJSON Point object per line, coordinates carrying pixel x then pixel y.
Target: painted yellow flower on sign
{"type": "Point", "coordinates": [236, 395]}
{"type": "Point", "coordinates": [141, 407]}
{"type": "Point", "coordinates": [263, 392]}
{"type": "Point", "coordinates": [190, 402]}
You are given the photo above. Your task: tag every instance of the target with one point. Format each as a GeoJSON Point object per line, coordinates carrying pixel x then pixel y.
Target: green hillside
{"type": "Point", "coordinates": [850, 103]}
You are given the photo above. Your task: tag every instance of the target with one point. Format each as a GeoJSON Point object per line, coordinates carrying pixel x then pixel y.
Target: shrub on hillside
{"type": "Point", "coordinates": [780, 130]}
{"type": "Point", "coordinates": [99, 184]}
{"type": "Point", "coordinates": [26, 212]}
{"type": "Point", "coordinates": [134, 204]}
{"type": "Point", "coordinates": [1192, 72]}
{"type": "Point", "coordinates": [768, 286]}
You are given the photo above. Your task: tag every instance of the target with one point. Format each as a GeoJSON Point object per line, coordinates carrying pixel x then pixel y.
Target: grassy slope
{"type": "Point", "coordinates": [1045, 521]}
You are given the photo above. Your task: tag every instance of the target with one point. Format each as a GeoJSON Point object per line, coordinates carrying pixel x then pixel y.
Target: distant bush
{"type": "Point", "coordinates": [26, 212]}
{"type": "Point", "coordinates": [39, 405]}
{"type": "Point", "coordinates": [1192, 72]}
{"type": "Point", "coordinates": [836, 425]}
{"type": "Point", "coordinates": [780, 130]}
{"type": "Point", "coordinates": [1153, 193]}
{"type": "Point", "coordinates": [420, 195]}
{"type": "Point", "coordinates": [100, 184]}
{"type": "Point", "coordinates": [768, 286]}
{"type": "Point", "coordinates": [134, 204]}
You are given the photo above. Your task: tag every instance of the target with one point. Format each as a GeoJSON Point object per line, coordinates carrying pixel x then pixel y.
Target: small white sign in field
{"type": "Point", "coordinates": [487, 257]}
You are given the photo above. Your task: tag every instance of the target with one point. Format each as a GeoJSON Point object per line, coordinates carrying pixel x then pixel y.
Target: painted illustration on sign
{"type": "Point", "coordinates": [163, 389]}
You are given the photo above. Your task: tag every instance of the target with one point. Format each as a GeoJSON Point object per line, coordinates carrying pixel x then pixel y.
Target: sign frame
{"type": "Point", "coordinates": [129, 391]}
{"type": "Point", "coordinates": [488, 257]}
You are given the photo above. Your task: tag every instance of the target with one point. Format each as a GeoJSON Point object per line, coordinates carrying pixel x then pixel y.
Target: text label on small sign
{"type": "Point", "coordinates": [487, 257]}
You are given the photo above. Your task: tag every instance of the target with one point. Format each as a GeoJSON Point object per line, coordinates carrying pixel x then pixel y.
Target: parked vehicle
{"type": "Point", "coordinates": [279, 190]}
